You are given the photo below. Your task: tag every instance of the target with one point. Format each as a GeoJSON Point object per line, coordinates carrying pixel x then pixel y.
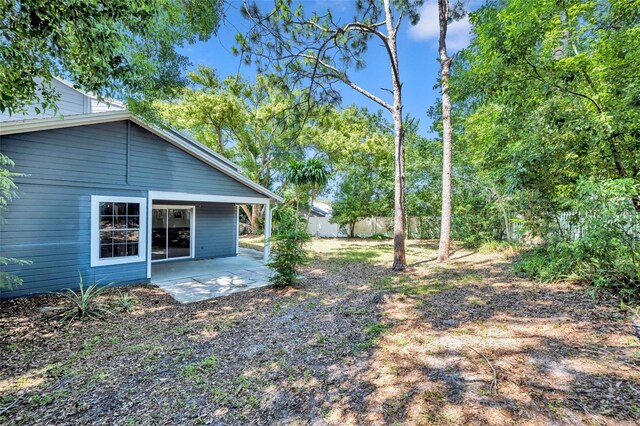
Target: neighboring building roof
{"type": "Point", "coordinates": [174, 137]}
{"type": "Point", "coordinates": [321, 209]}
{"type": "Point", "coordinates": [112, 102]}
{"type": "Point", "coordinates": [71, 101]}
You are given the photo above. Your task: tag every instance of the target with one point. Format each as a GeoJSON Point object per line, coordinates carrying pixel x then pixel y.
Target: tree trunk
{"type": "Point", "coordinates": [352, 231]}
{"type": "Point", "coordinates": [255, 217]}
{"type": "Point", "coordinates": [507, 223]}
{"type": "Point", "coordinates": [447, 135]}
{"type": "Point", "coordinates": [399, 255]}
{"type": "Point", "coordinates": [253, 214]}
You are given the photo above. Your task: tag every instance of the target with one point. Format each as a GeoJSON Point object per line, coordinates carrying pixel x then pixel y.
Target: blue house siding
{"type": "Point", "coordinates": [50, 226]}
{"type": "Point", "coordinates": [50, 221]}
{"type": "Point", "coordinates": [159, 166]}
{"type": "Point", "coordinates": [214, 223]}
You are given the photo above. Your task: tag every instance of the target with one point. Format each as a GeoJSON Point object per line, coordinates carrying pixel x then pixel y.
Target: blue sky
{"type": "Point", "coordinates": [417, 52]}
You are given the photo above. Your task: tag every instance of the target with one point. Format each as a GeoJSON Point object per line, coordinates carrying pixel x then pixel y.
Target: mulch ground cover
{"type": "Point", "coordinates": [466, 342]}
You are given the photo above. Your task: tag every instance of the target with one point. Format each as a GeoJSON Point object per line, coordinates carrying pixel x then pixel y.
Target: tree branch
{"type": "Point", "coordinates": [557, 86]}
{"type": "Point", "coordinates": [345, 79]}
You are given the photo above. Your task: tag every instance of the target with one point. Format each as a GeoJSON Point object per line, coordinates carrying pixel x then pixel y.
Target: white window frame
{"type": "Point", "coordinates": [95, 231]}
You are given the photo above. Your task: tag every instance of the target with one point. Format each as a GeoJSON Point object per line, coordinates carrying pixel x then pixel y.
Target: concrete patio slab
{"type": "Point", "coordinates": [195, 280]}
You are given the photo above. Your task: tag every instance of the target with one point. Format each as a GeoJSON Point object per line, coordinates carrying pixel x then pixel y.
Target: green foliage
{"type": "Point", "coordinates": [363, 192]}
{"type": "Point", "coordinates": [505, 248]}
{"type": "Point", "coordinates": [546, 100]}
{"type": "Point", "coordinates": [359, 146]}
{"type": "Point", "coordinates": [319, 49]}
{"type": "Point", "coordinates": [287, 244]}
{"type": "Point", "coordinates": [549, 263]}
{"type": "Point", "coordinates": [607, 251]}
{"type": "Point", "coordinates": [83, 303]}
{"type": "Point", "coordinates": [126, 301]}
{"type": "Point", "coordinates": [547, 94]}
{"type": "Point", "coordinates": [7, 192]}
{"type": "Point", "coordinates": [116, 48]}
{"type": "Point", "coordinates": [307, 178]}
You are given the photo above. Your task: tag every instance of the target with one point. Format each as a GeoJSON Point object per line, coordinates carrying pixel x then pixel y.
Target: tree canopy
{"type": "Point", "coordinates": [115, 49]}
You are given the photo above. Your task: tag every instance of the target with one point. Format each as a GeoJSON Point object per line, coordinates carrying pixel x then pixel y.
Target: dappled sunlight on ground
{"type": "Point", "coordinates": [465, 342]}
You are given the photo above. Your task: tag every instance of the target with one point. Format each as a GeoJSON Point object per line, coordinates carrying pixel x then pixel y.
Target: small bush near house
{"type": "Point", "coordinates": [126, 301]}
{"type": "Point", "coordinates": [83, 303]}
{"type": "Point", "coordinates": [288, 251]}
{"type": "Point", "coordinates": [607, 251]}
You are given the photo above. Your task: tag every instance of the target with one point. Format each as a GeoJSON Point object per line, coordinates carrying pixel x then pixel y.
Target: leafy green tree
{"type": "Point", "coordinates": [260, 126]}
{"type": "Point", "coordinates": [548, 96]}
{"type": "Point", "coordinates": [359, 146]}
{"type": "Point", "coordinates": [551, 94]}
{"type": "Point", "coordinates": [364, 191]}
{"type": "Point", "coordinates": [317, 51]}
{"type": "Point", "coordinates": [116, 48]}
{"type": "Point", "coordinates": [350, 136]}
{"type": "Point", "coordinates": [213, 110]}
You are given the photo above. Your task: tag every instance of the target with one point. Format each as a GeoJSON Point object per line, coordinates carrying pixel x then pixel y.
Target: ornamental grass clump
{"type": "Point", "coordinates": [83, 303]}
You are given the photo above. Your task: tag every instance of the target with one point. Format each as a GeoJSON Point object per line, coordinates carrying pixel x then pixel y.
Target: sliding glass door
{"type": "Point", "coordinates": [172, 228]}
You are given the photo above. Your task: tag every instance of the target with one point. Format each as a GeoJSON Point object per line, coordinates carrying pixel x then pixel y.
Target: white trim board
{"type": "Point", "coordinates": [206, 198]}
{"type": "Point", "coordinates": [179, 140]}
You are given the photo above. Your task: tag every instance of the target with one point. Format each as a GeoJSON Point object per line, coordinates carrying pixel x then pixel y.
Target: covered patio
{"type": "Point", "coordinates": [196, 280]}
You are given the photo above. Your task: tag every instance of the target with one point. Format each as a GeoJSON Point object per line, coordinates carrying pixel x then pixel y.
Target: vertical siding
{"type": "Point", "coordinates": [49, 222]}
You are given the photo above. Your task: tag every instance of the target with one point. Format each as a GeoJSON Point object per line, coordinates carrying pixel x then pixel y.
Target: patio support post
{"type": "Point", "coordinates": [267, 231]}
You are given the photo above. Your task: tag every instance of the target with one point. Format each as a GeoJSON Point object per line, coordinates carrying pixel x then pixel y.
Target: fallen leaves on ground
{"type": "Point", "coordinates": [464, 342]}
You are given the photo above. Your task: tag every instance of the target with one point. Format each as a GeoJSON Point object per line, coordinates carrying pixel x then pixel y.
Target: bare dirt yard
{"type": "Point", "coordinates": [467, 342]}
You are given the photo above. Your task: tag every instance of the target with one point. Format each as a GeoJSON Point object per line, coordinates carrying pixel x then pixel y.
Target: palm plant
{"type": "Point", "coordinates": [316, 175]}
{"type": "Point", "coordinates": [311, 174]}
{"type": "Point", "coordinates": [296, 177]}
{"type": "Point", "coordinates": [126, 301]}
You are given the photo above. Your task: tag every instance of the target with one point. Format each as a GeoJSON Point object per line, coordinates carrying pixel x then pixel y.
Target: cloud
{"type": "Point", "coordinates": [458, 32]}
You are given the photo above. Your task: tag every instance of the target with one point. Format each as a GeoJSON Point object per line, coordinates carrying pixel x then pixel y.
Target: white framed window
{"type": "Point", "coordinates": [118, 230]}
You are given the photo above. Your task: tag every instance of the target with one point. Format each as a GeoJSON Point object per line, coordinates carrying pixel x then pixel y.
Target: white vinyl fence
{"type": "Point", "coordinates": [321, 227]}
{"type": "Point", "coordinates": [426, 227]}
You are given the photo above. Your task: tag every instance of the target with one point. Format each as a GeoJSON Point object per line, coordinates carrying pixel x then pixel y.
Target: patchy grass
{"type": "Point", "coordinates": [354, 343]}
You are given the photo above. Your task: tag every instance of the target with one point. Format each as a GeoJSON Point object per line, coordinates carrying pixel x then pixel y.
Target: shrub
{"type": "Point", "coordinates": [550, 263]}
{"type": "Point", "coordinates": [503, 247]}
{"type": "Point", "coordinates": [288, 252]}
{"type": "Point", "coordinates": [379, 237]}
{"type": "Point", "coordinates": [126, 301]}
{"type": "Point", "coordinates": [83, 303]}
{"type": "Point", "coordinates": [606, 253]}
